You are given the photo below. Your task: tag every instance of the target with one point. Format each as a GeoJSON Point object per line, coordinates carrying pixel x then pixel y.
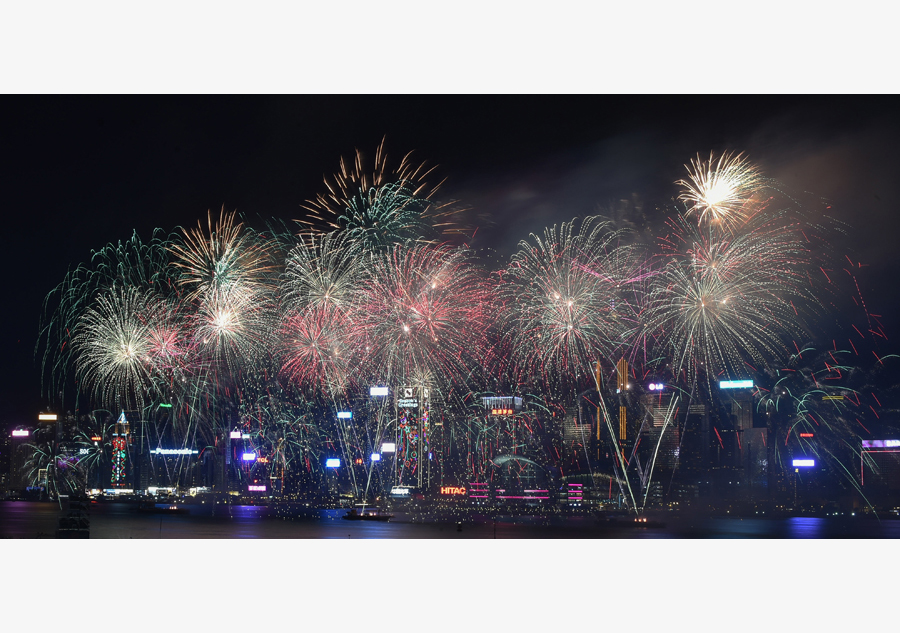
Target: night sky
{"type": "Point", "coordinates": [80, 172]}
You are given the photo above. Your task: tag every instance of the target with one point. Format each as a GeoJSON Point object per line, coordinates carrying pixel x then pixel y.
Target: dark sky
{"type": "Point", "coordinates": [80, 172]}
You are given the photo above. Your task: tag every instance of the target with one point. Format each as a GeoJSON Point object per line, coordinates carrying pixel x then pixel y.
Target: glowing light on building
{"type": "Point", "coordinates": [173, 451]}
{"type": "Point", "coordinates": [117, 477]}
{"type": "Point", "coordinates": [345, 415]}
{"type": "Point", "coordinates": [881, 443]}
{"type": "Point", "coordinates": [375, 457]}
{"type": "Point", "coordinates": [20, 433]}
{"type": "Point", "coordinates": [378, 391]}
{"type": "Point", "coordinates": [735, 384]}
{"type": "Point", "coordinates": [453, 490]}
{"type": "Point", "coordinates": [807, 435]}
{"type": "Point", "coordinates": [656, 386]}
{"type": "Point", "coordinates": [804, 463]}
{"type": "Point", "coordinates": [249, 457]}
{"type": "Point", "coordinates": [48, 417]}
{"type": "Point", "coordinates": [235, 435]}
{"type": "Point", "coordinates": [332, 462]}
{"type": "Point", "coordinates": [388, 447]}
{"type": "Point", "coordinates": [256, 488]}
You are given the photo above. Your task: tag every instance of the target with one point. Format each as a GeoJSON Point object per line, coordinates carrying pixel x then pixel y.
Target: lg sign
{"type": "Point", "coordinates": [453, 490]}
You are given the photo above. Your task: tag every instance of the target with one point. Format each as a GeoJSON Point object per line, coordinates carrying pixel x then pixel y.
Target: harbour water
{"type": "Point", "coordinates": [29, 520]}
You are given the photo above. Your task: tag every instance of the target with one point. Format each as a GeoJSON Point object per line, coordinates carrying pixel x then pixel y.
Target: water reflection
{"type": "Point", "coordinates": [220, 521]}
{"type": "Point", "coordinates": [805, 527]}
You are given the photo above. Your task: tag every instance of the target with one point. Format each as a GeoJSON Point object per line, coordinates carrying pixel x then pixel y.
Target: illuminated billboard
{"type": "Point", "coordinates": [345, 415]}
{"type": "Point", "coordinates": [804, 463]}
{"type": "Point", "coordinates": [48, 417]}
{"type": "Point", "coordinates": [235, 435]}
{"type": "Point", "coordinates": [807, 435]}
{"type": "Point", "coordinates": [173, 451]}
{"type": "Point", "coordinates": [388, 447]}
{"type": "Point", "coordinates": [378, 391]}
{"type": "Point", "coordinates": [656, 386]}
{"type": "Point", "coordinates": [20, 433]}
{"type": "Point", "coordinates": [375, 457]}
{"type": "Point", "coordinates": [256, 488]}
{"type": "Point", "coordinates": [881, 443]}
{"type": "Point", "coordinates": [453, 490]}
{"type": "Point", "coordinates": [332, 462]}
{"type": "Point", "coordinates": [249, 457]}
{"type": "Point", "coordinates": [735, 384]}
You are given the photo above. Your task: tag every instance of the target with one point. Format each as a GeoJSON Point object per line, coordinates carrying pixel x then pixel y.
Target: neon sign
{"type": "Point", "coordinates": [881, 443]}
{"type": "Point", "coordinates": [735, 384]}
{"type": "Point", "coordinates": [249, 457]}
{"type": "Point", "coordinates": [96, 438]}
{"type": "Point", "coordinates": [388, 447]}
{"type": "Point", "coordinates": [376, 457]}
{"type": "Point", "coordinates": [235, 435]}
{"type": "Point", "coordinates": [18, 433]}
{"type": "Point", "coordinates": [656, 386]}
{"type": "Point", "coordinates": [501, 411]}
{"type": "Point", "coordinates": [345, 415]}
{"type": "Point", "coordinates": [804, 463]}
{"type": "Point", "coordinates": [452, 490]}
{"type": "Point", "coordinates": [332, 462]}
{"type": "Point", "coordinates": [48, 417]}
{"type": "Point", "coordinates": [807, 435]}
{"type": "Point", "coordinates": [378, 391]}
{"type": "Point", "coordinates": [174, 451]}
{"type": "Point", "coordinates": [256, 488]}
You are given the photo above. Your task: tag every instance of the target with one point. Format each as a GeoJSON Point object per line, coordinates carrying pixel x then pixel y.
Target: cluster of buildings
{"type": "Point", "coordinates": [505, 451]}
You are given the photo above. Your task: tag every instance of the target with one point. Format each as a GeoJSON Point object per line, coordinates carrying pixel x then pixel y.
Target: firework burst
{"type": "Point", "coordinates": [564, 299]}
{"type": "Point", "coordinates": [721, 301]}
{"type": "Point", "coordinates": [720, 191]}
{"type": "Point", "coordinates": [422, 314]}
{"type": "Point", "coordinates": [383, 206]}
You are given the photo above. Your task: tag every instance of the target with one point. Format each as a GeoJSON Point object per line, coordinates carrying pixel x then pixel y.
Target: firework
{"type": "Point", "coordinates": [228, 273]}
{"type": "Point", "coordinates": [722, 300]}
{"type": "Point", "coordinates": [380, 207]}
{"type": "Point", "coordinates": [422, 314]}
{"type": "Point", "coordinates": [112, 345]}
{"type": "Point", "coordinates": [324, 271]}
{"type": "Point", "coordinates": [566, 300]}
{"type": "Point", "coordinates": [133, 263]}
{"type": "Point", "coordinates": [720, 191]}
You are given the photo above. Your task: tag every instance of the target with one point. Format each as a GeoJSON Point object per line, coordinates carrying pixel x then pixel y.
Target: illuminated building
{"type": "Point", "coordinates": [413, 431]}
{"type": "Point", "coordinates": [880, 469]}
{"type": "Point", "coordinates": [18, 454]}
{"type": "Point", "coordinates": [119, 452]}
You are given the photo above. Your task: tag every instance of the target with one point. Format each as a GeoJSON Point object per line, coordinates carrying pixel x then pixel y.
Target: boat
{"type": "Point", "coordinates": [372, 515]}
{"type": "Point", "coordinates": [75, 524]}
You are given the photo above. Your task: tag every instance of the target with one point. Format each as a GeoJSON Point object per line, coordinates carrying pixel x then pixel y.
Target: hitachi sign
{"type": "Point", "coordinates": [452, 490]}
